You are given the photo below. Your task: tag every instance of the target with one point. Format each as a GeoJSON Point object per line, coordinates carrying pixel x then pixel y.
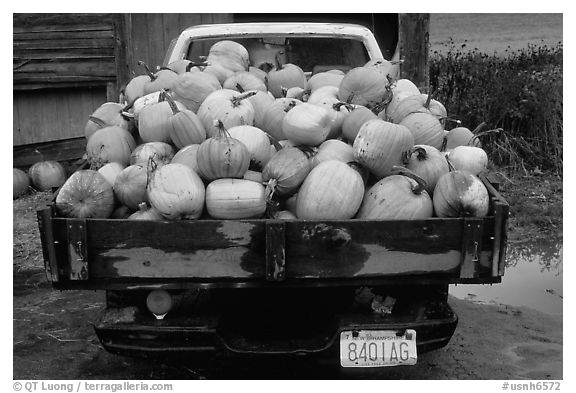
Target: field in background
{"type": "Point", "coordinates": [495, 32]}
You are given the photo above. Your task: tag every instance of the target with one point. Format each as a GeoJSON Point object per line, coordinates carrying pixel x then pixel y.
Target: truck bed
{"type": "Point", "coordinates": [126, 254]}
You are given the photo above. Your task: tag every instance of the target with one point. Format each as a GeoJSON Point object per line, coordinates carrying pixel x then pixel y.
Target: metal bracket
{"type": "Point", "coordinates": [471, 247]}
{"type": "Point", "coordinates": [77, 249]}
{"type": "Point", "coordinates": [275, 250]}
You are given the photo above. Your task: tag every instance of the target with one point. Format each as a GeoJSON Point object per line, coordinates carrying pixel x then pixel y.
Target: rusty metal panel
{"type": "Point", "coordinates": [471, 247]}
{"type": "Point", "coordinates": [77, 249]}
{"type": "Point", "coordinates": [275, 250]}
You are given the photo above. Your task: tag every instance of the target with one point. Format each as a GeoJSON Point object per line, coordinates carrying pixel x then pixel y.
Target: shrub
{"type": "Point", "coordinates": [518, 91]}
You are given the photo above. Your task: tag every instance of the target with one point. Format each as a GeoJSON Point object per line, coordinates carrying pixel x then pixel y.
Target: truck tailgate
{"type": "Point", "coordinates": [115, 254]}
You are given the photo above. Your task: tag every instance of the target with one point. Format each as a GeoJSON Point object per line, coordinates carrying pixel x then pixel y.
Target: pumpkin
{"type": "Point", "coordinates": [86, 194]}
{"type": "Point", "coordinates": [121, 213]}
{"type": "Point", "coordinates": [144, 101]}
{"type": "Point", "coordinates": [46, 175]}
{"type": "Point", "coordinates": [460, 194]}
{"type": "Point", "coordinates": [256, 141]}
{"type": "Point", "coordinates": [285, 76]}
{"type": "Point", "coordinates": [222, 156]}
{"type": "Point", "coordinates": [177, 192]}
{"type": "Point", "coordinates": [364, 86]}
{"type": "Point", "coordinates": [235, 199]}
{"type": "Point", "coordinates": [111, 170]}
{"type": "Point", "coordinates": [274, 115]}
{"type": "Point", "coordinates": [470, 158]}
{"type": "Point", "coordinates": [404, 85]}
{"type": "Point", "coordinates": [339, 111]}
{"type": "Point", "coordinates": [257, 72]}
{"type": "Point", "coordinates": [163, 79]}
{"type": "Point", "coordinates": [283, 215]}
{"type": "Point", "coordinates": [107, 114]}
{"type": "Point", "coordinates": [260, 101]}
{"type": "Point", "coordinates": [109, 144]}
{"type": "Point", "coordinates": [428, 163]}
{"type": "Point", "coordinates": [192, 88]}
{"type": "Point", "coordinates": [184, 127]}
{"type": "Point", "coordinates": [426, 129]}
{"type": "Point", "coordinates": [307, 124]}
{"type": "Point", "coordinates": [333, 149]}
{"type": "Point", "coordinates": [462, 136]}
{"type": "Point", "coordinates": [227, 106]}
{"type": "Point", "coordinates": [244, 81]}
{"type": "Point", "coordinates": [352, 123]}
{"type": "Point", "coordinates": [154, 121]}
{"type": "Point", "coordinates": [135, 88]}
{"type": "Point", "coordinates": [253, 176]}
{"type": "Point", "coordinates": [145, 212]}
{"type": "Point", "coordinates": [323, 79]}
{"type": "Point", "coordinates": [187, 156]}
{"type": "Point", "coordinates": [393, 104]}
{"type": "Point", "coordinates": [130, 186]}
{"type": "Point", "coordinates": [291, 204]}
{"type": "Point", "coordinates": [323, 93]}
{"type": "Point", "coordinates": [294, 92]}
{"type": "Point", "coordinates": [384, 67]}
{"type": "Point", "coordinates": [221, 73]}
{"type": "Point", "coordinates": [380, 145]}
{"type": "Point", "coordinates": [322, 195]}
{"type": "Point", "coordinates": [286, 171]}
{"type": "Point", "coordinates": [20, 183]}
{"type": "Point", "coordinates": [161, 153]}
{"type": "Point", "coordinates": [230, 55]}
{"type": "Point", "coordinates": [399, 196]}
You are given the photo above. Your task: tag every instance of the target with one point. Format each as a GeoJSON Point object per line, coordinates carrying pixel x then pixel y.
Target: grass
{"type": "Point", "coordinates": [518, 91]}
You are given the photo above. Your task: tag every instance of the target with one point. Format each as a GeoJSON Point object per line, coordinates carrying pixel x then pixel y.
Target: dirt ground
{"type": "Point", "coordinates": [54, 339]}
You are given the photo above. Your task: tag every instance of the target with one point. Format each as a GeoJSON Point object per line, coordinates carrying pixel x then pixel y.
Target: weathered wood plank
{"type": "Point", "coordinates": [106, 32]}
{"type": "Point", "coordinates": [414, 48]}
{"type": "Point", "coordinates": [471, 247]}
{"type": "Point", "coordinates": [47, 238]}
{"type": "Point", "coordinates": [77, 249]}
{"type": "Point", "coordinates": [275, 251]}
{"type": "Point", "coordinates": [48, 53]}
{"type": "Point", "coordinates": [23, 22]}
{"type": "Point", "coordinates": [102, 66]}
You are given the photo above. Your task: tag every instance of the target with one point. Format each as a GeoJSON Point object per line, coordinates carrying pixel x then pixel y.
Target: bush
{"type": "Point", "coordinates": [517, 91]}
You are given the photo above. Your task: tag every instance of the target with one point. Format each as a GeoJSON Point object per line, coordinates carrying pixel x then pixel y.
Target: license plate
{"type": "Point", "coordinates": [377, 348]}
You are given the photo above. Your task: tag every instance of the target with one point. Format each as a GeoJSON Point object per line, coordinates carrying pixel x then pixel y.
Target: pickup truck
{"type": "Point", "coordinates": [352, 293]}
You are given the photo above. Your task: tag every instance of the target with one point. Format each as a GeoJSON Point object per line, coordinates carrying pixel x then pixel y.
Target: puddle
{"type": "Point", "coordinates": [533, 278]}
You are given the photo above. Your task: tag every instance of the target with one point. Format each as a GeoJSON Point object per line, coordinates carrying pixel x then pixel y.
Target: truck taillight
{"type": "Point", "coordinates": [159, 302]}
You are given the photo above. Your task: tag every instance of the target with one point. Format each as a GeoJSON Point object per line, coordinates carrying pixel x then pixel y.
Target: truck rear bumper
{"type": "Point", "coordinates": [204, 338]}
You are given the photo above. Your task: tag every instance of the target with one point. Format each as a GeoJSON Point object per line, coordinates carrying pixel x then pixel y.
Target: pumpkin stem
{"type": "Point", "coordinates": [350, 98]}
{"type": "Point", "coordinates": [284, 91]}
{"type": "Point", "coordinates": [450, 166]}
{"type": "Point", "coordinates": [450, 119]}
{"type": "Point", "coordinates": [240, 88]}
{"type": "Point", "coordinates": [193, 64]}
{"type": "Point", "coordinates": [101, 123]}
{"type": "Point", "coordinates": [428, 100]}
{"type": "Point", "coordinates": [290, 105]}
{"type": "Point", "coordinates": [444, 143]}
{"type": "Point", "coordinates": [421, 153]}
{"type": "Point", "coordinates": [222, 131]}
{"type": "Point", "coordinates": [270, 188]}
{"type": "Point", "coordinates": [142, 206]}
{"type": "Point", "coordinates": [400, 170]}
{"type": "Point", "coordinates": [148, 72]}
{"type": "Point", "coordinates": [150, 169]}
{"type": "Point", "coordinates": [238, 99]}
{"type": "Point", "coordinates": [171, 102]}
{"type": "Point", "coordinates": [274, 142]}
{"type": "Point", "coordinates": [339, 105]}
{"type": "Point", "coordinates": [307, 150]}
{"type": "Point", "coordinates": [278, 62]}
{"type": "Point", "coordinates": [272, 208]}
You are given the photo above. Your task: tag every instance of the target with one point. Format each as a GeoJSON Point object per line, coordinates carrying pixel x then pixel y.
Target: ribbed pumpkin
{"type": "Point", "coordinates": [470, 158]}
{"type": "Point", "coordinates": [363, 86]}
{"type": "Point", "coordinates": [256, 141]}
{"type": "Point", "coordinates": [244, 81]}
{"type": "Point", "coordinates": [188, 156]}
{"type": "Point", "coordinates": [192, 88]}
{"type": "Point", "coordinates": [184, 127]}
{"type": "Point", "coordinates": [323, 93]}
{"type": "Point", "coordinates": [227, 106]}
{"type": "Point", "coordinates": [20, 183]}
{"type": "Point", "coordinates": [460, 194]}
{"type": "Point", "coordinates": [428, 163]}
{"type": "Point", "coordinates": [462, 136]}
{"type": "Point", "coordinates": [307, 124]}
{"type": "Point", "coordinates": [221, 73]}
{"type": "Point", "coordinates": [332, 191]}
{"type": "Point", "coordinates": [404, 85]}
{"type": "Point", "coordinates": [426, 129]}
{"type": "Point", "coordinates": [154, 121]}
{"type": "Point", "coordinates": [162, 79]}
{"type": "Point", "coordinates": [177, 192]}
{"type": "Point", "coordinates": [385, 67]}
{"type": "Point", "coordinates": [86, 194]}
{"type": "Point", "coordinates": [109, 144]}
{"type": "Point", "coordinates": [339, 112]}
{"type": "Point", "coordinates": [333, 149]}
{"type": "Point", "coordinates": [135, 88]}
{"type": "Point", "coordinates": [222, 156]}
{"type": "Point", "coordinates": [235, 199]}
{"type": "Point", "coordinates": [323, 79]}
{"type": "Point", "coordinates": [380, 145]}
{"type": "Point", "coordinates": [144, 101]}
{"type": "Point", "coordinates": [110, 171]}
{"type": "Point", "coordinates": [274, 115]}
{"type": "Point", "coordinates": [397, 197]}
{"type": "Point", "coordinates": [160, 152]}
{"type": "Point", "coordinates": [285, 76]}
{"type": "Point", "coordinates": [130, 185]}
{"type": "Point", "coordinates": [416, 103]}
{"type": "Point", "coordinates": [286, 171]}
{"type": "Point", "coordinates": [46, 175]}
{"type": "Point", "coordinates": [230, 55]}
{"type": "Point", "coordinates": [354, 121]}
{"type": "Point", "coordinates": [108, 114]}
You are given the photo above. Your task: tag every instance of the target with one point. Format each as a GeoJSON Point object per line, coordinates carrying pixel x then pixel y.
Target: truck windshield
{"type": "Point", "coordinates": [312, 54]}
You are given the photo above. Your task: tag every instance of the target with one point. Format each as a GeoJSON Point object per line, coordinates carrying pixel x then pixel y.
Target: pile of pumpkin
{"type": "Point", "coordinates": [42, 176]}
{"type": "Point", "coordinates": [226, 140]}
